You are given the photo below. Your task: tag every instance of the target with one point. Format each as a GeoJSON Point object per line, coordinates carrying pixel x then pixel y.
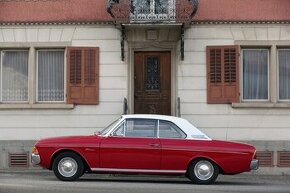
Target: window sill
{"type": "Point", "coordinates": [261, 105]}
{"type": "Point", "coordinates": [36, 106]}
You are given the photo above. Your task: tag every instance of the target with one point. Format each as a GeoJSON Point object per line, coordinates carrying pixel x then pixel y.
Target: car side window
{"type": "Point", "coordinates": [137, 128]}
{"type": "Point", "coordinates": [120, 131]}
{"type": "Point", "coordinates": [170, 130]}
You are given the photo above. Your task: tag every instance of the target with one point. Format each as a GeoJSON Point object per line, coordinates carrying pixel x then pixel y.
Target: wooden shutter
{"type": "Point", "coordinates": [222, 74]}
{"type": "Point", "coordinates": [83, 76]}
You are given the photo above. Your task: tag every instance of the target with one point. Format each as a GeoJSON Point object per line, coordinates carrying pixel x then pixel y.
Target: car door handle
{"type": "Point", "coordinates": [154, 144]}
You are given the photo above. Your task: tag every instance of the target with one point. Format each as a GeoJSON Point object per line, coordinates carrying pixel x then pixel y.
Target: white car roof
{"type": "Point", "coordinates": [191, 131]}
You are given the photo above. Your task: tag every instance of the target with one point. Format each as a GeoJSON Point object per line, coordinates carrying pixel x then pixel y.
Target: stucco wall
{"type": "Point", "coordinates": [29, 124]}
{"type": "Point", "coordinates": [223, 121]}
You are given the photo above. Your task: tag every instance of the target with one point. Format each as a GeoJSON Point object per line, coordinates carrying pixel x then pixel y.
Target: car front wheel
{"type": "Point", "coordinates": [203, 171]}
{"type": "Point", "coordinates": [68, 166]}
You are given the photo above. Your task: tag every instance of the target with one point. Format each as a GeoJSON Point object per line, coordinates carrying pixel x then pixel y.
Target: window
{"type": "Point", "coordinates": [137, 128]}
{"type": "Point", "coordinates": [260, 86]}
{"type": "Point", "coordinates": [120, 131]}
{"type": "Point", "coordinates": [50, 75]}
{"type": "Point", "coordinates": [152, 9]}
{"type": "Point", "coordinates": [284, 74]}
{"type": "Point", "coordinates": [14, 76]}
{"type": "Point", "coordinates": [255, 74]}
{"type": "Point", "coordinates": [170, 130]}
{"type": "Point", "coordinates": [28, 80]}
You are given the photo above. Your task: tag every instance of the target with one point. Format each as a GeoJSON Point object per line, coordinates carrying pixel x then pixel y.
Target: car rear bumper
{"type": "Point", "coordinates": [35, 159]}
{"type": "Point", "coordinates": [254, 164]}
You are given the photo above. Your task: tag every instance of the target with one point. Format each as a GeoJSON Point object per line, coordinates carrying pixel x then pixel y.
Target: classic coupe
{"type": "Point", "coordinates": [145, 144]}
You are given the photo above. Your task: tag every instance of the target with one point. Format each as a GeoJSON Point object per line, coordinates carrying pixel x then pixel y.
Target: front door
{"type": "Point", "coordinates": [133, 146]}
{"type": "Point", "coordinates": [152, 86]}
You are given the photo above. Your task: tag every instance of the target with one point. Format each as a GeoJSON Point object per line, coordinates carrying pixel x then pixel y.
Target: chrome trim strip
{"type": "Point", "coordinates": [137, 170]}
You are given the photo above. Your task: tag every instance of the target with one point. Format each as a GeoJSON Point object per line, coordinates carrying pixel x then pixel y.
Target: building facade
{"type": "Point", "coordinates": [71, 67]}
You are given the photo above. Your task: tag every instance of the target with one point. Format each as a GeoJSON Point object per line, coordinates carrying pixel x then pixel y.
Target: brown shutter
{"type": "Point", "coordinates": [83, 76]}
{"type": "Point", "coordinates": [222, 74]}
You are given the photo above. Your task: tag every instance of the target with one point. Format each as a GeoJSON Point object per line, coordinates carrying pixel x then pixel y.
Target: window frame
{"type": "Point", "coordinates": [147, 119]}
{"type": "Point", "coordinates": [157, 136]}
{"type": "Point", "coordinates": [278, 76]}
{"type": "Point", "coordinates": [176, 127]}
{"type": "Point", "coordinates": [1, 70]}
{"type": "Point", "coordinates": [242, 75]}
{"type": "Point", "coordinates": [64, 50]}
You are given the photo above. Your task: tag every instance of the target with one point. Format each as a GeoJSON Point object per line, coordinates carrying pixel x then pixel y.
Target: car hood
{"type": "Point", "coordinates": [77, 141]}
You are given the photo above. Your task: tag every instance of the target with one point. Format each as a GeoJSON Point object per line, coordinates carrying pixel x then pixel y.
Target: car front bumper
{"type": "Point", "coordinates": [254, 164]}
{"type": "Point", "coordinates": [35, 159]}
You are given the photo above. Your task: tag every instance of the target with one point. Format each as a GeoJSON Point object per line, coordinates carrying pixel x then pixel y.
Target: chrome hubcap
{"type": "Point", "coordinates": [67, 167]}
{"type": "Point", "coordinates": [203, 170]}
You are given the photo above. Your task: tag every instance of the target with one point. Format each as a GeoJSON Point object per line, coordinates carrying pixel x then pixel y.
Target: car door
{"type": "Point", "coordinates": [175, 151]}
{"type": "Point", "coordinates": [132, 146]}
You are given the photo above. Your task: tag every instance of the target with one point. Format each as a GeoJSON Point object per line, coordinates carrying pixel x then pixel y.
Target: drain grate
{"type": "Point", "coordinates": [19, 159]}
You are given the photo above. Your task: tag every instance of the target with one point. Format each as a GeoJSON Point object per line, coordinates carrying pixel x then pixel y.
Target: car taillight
{"type": "Point", "coordinates": [34, 151]}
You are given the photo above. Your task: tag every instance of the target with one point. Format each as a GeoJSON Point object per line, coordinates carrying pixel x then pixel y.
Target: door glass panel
{"type": "Point", "coordinates": [152, 74]}
{"type": "Point", "coordinates": [170, 130]}
{"type": "Point", "coordinates": [140, 128]}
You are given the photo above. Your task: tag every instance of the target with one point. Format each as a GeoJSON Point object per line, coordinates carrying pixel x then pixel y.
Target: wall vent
{"type": "Point", "coordinates": [19, 159]}
{"type": "Point", "coordinates": [265, 158]}
{"type": "Point", "coordinates": [283, 158]}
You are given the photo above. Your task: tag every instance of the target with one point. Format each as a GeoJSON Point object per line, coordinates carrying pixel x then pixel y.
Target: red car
{"type": "Point", "coordinates": [145, 144]}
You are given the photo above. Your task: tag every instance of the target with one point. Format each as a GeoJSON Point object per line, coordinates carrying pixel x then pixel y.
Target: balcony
{"type": "Point", "coordinates": [152, 11]}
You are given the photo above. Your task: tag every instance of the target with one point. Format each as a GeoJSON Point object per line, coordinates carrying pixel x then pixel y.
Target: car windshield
{"type": "Point", "coordinates": [108, 128]}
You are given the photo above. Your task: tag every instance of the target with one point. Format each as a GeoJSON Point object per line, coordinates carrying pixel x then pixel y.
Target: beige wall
{"type": "Point", "coordinates": [31, 124]}
{"type": "Point", "coordinates": [223, 121]}
{"type": "Point", "coordinates": [218, 121]}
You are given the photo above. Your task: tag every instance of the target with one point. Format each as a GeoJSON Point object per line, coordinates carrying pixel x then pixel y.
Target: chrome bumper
{"type": "Point", "coordinates": [35, 159]}
{"type": "Point", "coordinates": [254, 164]}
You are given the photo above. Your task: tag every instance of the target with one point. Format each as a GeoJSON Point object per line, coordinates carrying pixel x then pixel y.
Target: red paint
{"type": "Point", "coordinates": [95, 10]}
{"type": "Point", "coordinates": [148, 153]}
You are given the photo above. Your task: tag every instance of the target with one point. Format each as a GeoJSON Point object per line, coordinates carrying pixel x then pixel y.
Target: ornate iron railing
{"type": "Point", "coordinates": [152, 11]}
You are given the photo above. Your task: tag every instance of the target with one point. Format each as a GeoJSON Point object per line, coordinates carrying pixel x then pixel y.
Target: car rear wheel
{"type": "Point", "coordinates": [203, 171]}
{"type": "Point", "coordinates": [68, 166]}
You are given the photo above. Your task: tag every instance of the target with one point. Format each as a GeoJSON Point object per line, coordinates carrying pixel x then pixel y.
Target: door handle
{"type": "Point", "coordinates": [154, 144]}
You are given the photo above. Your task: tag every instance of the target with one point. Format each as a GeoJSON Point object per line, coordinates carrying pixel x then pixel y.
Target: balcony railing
{"type": "Point", "coordinates": [152, 11]}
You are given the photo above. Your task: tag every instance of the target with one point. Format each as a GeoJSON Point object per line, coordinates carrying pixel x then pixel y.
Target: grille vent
{"type": "Point", "coordinates": [18, 159]}
{"type": "Point", "coordinates": [283, 158]}
{"type": "Point", "coordinates": [265, 158]}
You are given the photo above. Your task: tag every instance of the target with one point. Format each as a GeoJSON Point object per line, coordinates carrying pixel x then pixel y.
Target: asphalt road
{"type": "Point", "coordinates": [45, 182]}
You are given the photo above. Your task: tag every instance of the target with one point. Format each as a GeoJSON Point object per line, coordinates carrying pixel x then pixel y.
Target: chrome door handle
{"type": "Point", "coordinates": [154, 144]}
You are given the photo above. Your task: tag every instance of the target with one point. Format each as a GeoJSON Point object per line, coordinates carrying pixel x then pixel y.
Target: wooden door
{"type": "Point", "coordinates": [152, 86]}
